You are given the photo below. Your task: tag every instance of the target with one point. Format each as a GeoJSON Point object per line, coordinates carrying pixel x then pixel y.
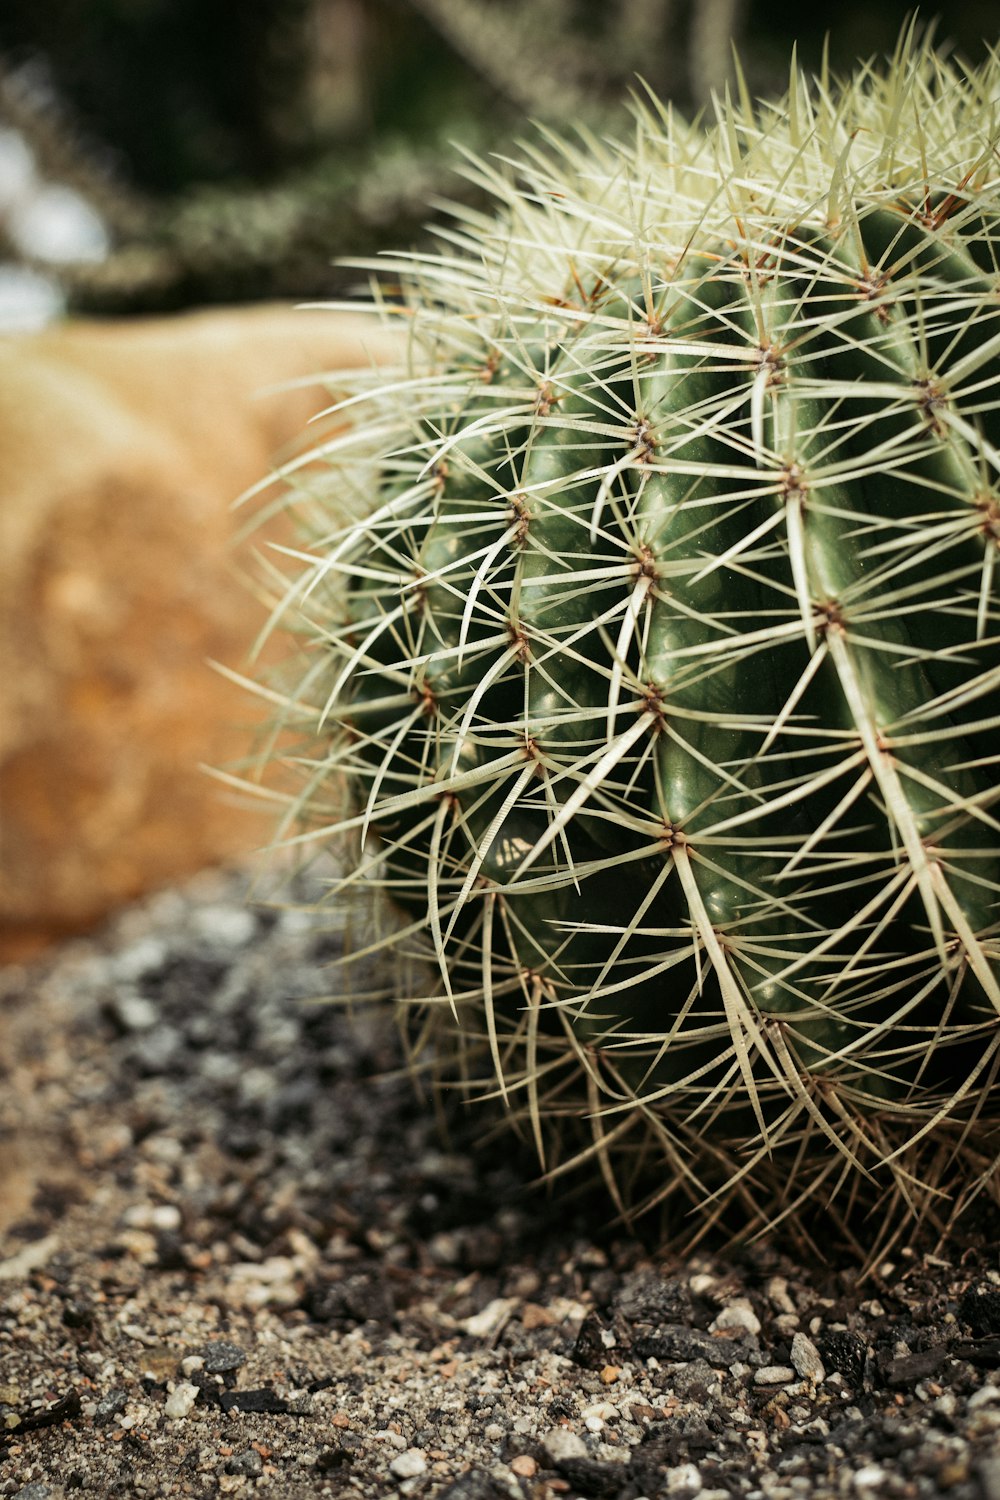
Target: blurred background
{"type": "Point", "coordinates": [175, 175]}
{"type": "Point", "coordinates": [162, 154]}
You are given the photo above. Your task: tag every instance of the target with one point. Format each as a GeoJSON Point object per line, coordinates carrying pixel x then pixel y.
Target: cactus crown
{"type": "Point", "coordinates": [655, 672]}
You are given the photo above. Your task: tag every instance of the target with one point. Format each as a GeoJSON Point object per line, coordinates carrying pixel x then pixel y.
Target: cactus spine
{"type": "Point", "coordinates": [660, 662]}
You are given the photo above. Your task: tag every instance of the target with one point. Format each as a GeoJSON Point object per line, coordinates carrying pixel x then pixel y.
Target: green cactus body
{"type": "Point", "coordinates": [663, 657]}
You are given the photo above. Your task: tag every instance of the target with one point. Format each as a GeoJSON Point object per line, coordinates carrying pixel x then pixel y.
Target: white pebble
{"type": "Point", "coordinates": [560, 1444]}
{"type": "Point", "coordinates": [394, 1439]}
{"type": "Point", "coordinates": [777, 1295]}
{"type": "Point", "coordinates": [152, 1216]}
{"type": "Point", "coordinates": [55, 223]}
{"type": "Point", "coordinates": [806, 1359]}
{"type": "Point", "coordinates": [870, 1477]}
{"type": "Point", "coordinates": [684, 1479]}
{"type": "Point", "coordinates": [181, 1400]}
{"type": "Point", "coordinates": [492, 1317]}
{"type": "Point", "coordinates": [140, 958]}
{"type": "Point", "coordinates": [737, 1317]}
{"type": "Point", "coordinates": [984, 1395]}
{"type": "Point", "coordinates": [774, 1375]}
{"type": "Point", "coordinates": [604, 1410]}
{"type": "Point", "coordinates": [594, 1424]}
{"type": "Point", "coordinates": [409, 1464]}
{"type": "Point", "coordinates": [230, 926]}
{"type": "Point", "coordinates": [136, 1013]}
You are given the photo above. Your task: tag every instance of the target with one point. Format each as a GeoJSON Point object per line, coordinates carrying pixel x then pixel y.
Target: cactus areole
{"type": "Point", "coordinates": [659, 664]}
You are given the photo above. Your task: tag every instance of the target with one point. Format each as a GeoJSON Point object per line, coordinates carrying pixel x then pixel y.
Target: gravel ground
{"type": "Point", "coordinates": [235, 1258]}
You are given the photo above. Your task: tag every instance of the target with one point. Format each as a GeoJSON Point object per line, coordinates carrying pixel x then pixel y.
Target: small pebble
{"type": "Point", "coordinates": [110, 1405]}
{"type": "Point", "coordinates": [78, 1313]}
{"type": "Point", "coordinates": [248, 1463]}
{"type": "Point", "coordinates": [409, 1464]}
{"type": "Point", "coordinates": [774, 1375]}
{"type": "Point", "coordinates": [166, 1216]}
{"type": "Point", "coordinates": [229, 926]}
{"type": "Point", "coordinates": [219, 1357]}
{"type": "Point", "coordinates": [806, 1359]}
{"type": "Point", "coordinates": [985, 1395]}
{"type": "Point", "coordinates": [778, 1296]}
{"type": "Point", "coordinates": [602, 1409]}
{"type": "Point", "coordinates": [561, 1444]}
{"type": "Point", "coordinates": [157, 1050]}
{"type": "Point", "coordinates": [524, 1466]}
{"type": "Point", "coordinates": [493, 1315]}
{"type": "Point", "coordinates": [394, 1439]}
{"type": "Point", "coordinates": [135, 1012]}
{"type": "Point", "coordinates": [683, 1479]}
{"type": "Point", "coordinates": [181, 1400]}
{"type": "Point", "coordinates": [140, 958]}
{"type": "Point", "coordinates": [738, 1317]}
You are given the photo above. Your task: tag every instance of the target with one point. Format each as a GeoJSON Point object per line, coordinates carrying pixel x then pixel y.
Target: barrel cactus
{"type": "Point", "coordinates": [652, 649]}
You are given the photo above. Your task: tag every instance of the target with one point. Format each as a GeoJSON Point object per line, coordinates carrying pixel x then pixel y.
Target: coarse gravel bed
{"type": "Point", "coordinates": [237, 1257]}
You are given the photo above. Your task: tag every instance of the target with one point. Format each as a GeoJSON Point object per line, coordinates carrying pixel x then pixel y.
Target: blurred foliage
{"type": "Point", "coordinates": [235, 150]}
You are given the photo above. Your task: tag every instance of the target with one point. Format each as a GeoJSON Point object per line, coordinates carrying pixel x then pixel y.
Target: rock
{"type": "Point", "coordinates": [984, 1396]}
{"type": "Point", "coordinates": [493, 1316]}
{"type": "Point", "coordinates": [560, 1445]}
{"type": "Point", "coordinates": [152, 1216]}
{"type": "Point", "coordinates": [778, 1296]}
{"type": "Point", "coordinates": [806, 1359]}
{"type": "Point", "coordinates": [134, 1012]}
{"type": "Point", "coordinates": [248, 1463]}
{"type": "Point", "coordinates": [180, 1402]}
{"type": "Point", "coordinates": [220, 1357]}
{"type": "Point", "coordinates": [676, 1344]}
{"type": "Point", "coordinates": [124, 446]}
{"type": "Point", "coordinates": [683, 1479]}
{"type": "Point", "coordinates": [737, 1318]}
{"type": "Point", "coordinates": [409, 1464]}
{"type": "Point", "coordinates": [111, 1405]}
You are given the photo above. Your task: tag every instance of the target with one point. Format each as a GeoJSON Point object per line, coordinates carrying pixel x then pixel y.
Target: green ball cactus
{"type": "Point", "coordinates": [656, 674]}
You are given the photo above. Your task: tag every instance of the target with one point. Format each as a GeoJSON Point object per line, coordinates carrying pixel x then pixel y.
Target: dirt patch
{"type": "Point", "coordinates": [236, 1258]}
